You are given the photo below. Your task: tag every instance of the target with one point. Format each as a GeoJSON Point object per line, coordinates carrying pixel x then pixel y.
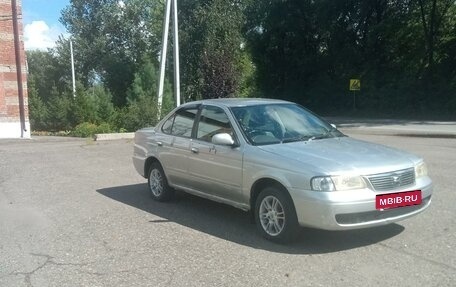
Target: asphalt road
{"type": "Point", "coordinates": [75, 213]}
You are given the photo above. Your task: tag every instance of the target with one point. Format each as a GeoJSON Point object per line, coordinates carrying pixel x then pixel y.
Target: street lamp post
{"type": "Point", "coordinates": [72, 69]}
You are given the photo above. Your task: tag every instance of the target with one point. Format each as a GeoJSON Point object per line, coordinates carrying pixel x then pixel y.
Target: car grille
{"type": "Point", "coordinates": [363, 217]}
{"type": "Point", "coordinates": [392, 180]}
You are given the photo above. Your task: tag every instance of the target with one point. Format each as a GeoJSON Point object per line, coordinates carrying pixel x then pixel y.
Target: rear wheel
{"type": "Point", "coordinates": [275, 215]}
{"type": "Point", "coordinates": [158, 185]}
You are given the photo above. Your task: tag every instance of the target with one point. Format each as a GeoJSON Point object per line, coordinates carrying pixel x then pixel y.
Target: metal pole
{"type": "Point", "coordinates": [17, 49]}
{"type": "Point", "coordinates": [72, 69]}
{"type": "Point", "coordinates": [163, 55]}
{"type": "Point", "coordinates": [176, 55]}
{"type": "Point", "coordinates": [354, 100]}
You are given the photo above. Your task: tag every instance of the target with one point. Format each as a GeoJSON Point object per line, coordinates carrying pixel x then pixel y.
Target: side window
{"type": "Point", "coordinates": [213, 121]}
{"type": "Point", "coordinates": [168, 125]}
{"type": "Point", "coordinates": [181, 123]}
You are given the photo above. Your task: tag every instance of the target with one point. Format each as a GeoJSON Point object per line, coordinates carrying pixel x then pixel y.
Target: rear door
{"type": "Point", "coordinates": [174, 145]}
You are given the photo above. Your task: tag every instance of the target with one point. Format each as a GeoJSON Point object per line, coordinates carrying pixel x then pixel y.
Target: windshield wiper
{"type": "Point", "coordinates": [298, 139]}
{"type": "Point", "coordinates": [324, 135]}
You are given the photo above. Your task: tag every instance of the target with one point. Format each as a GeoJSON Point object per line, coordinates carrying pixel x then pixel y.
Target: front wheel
{"type": "Point", "coordinates": [275, 215]}
{"type": "Point", "coordinates": [158, 185]}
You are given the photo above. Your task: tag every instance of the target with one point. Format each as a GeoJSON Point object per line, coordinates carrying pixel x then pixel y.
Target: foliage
{"type": "Point", "coordinates": [103, 103]}
{"type": "Point", "coordinates": [145, 83]}
{"type": "Point", "coordinates": [83, 108]}
{"type": "Point", "coordinates": [59, 111]}
{"type": "Point", "coordinates": [212, 40]}
{"type": "Point", "coordinates": [111, 37]}
{"type": "Point", "coordinates": [38, 112]}
{"type": "Point", "coordinates": [91, 110]}
{"type": "Point", "coordinates": [404, 52]}
{"type": "Point", "coordinates": [45, 74]}
{"type": "Point", "coordinates": [141, 113]}
{"type": "Point", "coordinates": [142, 109]}
{"type": "Point", "coordinates": [87, 129]}
{"type": "Point", "coordinates": [401, 50]}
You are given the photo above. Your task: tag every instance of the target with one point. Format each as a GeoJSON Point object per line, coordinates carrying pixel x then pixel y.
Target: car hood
{"type": "Point", "coordinates": [343, 155]}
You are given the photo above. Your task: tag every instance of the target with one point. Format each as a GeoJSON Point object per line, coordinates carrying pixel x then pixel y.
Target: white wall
{"type": "Point", "coordinates": [13, 130]}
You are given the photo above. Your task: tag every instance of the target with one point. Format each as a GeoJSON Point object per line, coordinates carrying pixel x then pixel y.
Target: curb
{"type": "Point", "coordinates": [417, 128]}
{"type": "Point", "coordinates": [113, 136]}
{"type": "Point", "coordinates": [398, 132]}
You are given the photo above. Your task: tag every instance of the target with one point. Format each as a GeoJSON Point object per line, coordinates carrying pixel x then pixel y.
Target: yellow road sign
{"type": "Point", "coordinates": [355, 84]}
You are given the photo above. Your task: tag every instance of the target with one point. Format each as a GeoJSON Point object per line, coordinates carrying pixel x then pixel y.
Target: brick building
{"type": "Point", "coordinates": [10, 120]}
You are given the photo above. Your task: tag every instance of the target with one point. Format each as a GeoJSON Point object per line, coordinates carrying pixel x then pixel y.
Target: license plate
{"type": "Point", "coordinates": [398, 199]}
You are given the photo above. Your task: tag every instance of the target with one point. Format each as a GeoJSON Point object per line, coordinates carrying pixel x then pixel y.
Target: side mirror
{"type": "Point", "coordinates": [223, 139]}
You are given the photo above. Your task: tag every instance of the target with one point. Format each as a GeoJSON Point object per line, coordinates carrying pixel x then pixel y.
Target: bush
{"type": "Point", "coordinates": [83, 107]}
{"type": "Point", "coordinates": [141, 113]}
{"type": "Point", "coordinates": [92, 111]}
{"type": "Point", "coordinates": [86, 129]}
{"type": "Point", "coordinates": [104, 128]}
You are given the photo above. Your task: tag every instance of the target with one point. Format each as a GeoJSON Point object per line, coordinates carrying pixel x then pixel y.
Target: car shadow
{"type": "Point", "coordinates": [234, 225]}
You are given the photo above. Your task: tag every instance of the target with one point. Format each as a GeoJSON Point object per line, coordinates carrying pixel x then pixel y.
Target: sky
{"type": "Point", "coordinates": [41, 23]}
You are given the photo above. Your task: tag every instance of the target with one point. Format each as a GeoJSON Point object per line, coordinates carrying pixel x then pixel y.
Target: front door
{"type": "Point", "coordinates": [215, 169]}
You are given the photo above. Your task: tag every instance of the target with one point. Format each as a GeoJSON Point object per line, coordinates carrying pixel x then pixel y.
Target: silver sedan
{"type": "Point", "coordinates": [282, 162]}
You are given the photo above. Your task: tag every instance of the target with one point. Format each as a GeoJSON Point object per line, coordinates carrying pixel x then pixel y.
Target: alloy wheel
{"type": "Point", "coordinates": [156, 182]}
{"type": "Point", "coordinates": [271, 215]}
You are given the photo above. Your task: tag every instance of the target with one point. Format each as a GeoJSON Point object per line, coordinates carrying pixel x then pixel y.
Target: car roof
{"type": "Point", "coordinates": [238, 102]}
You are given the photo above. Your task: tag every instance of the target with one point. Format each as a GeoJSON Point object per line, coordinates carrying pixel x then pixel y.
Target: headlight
{"type": "Point", "coordinates": [322, 183]}
{"type": "Point", "coordinates": [421, 170]}
{"type": "Point", "coordinates": [341, 182]}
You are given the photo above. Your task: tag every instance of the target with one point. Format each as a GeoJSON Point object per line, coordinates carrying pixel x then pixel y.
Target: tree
{"type": "Point", "coordinates": [37, 108]}
{"type": "Point", "coordinates": [83, 107]}
{"type": "Point", "coordinates": [103, 102]}
{"type": "Point", "coordinates": [111, 37]}
{"type": "Point", "coordinates": [145, 83]}
{"type": "Point", "coordinates": [142, 109]}
{"type": "Point", "coordinates": [284, 38]}
{"type": "Point", "coordinates": [45, 73]}
{"type": "Point", "coordinates": [432, 14]}
{"type": "Point", "coordinates": [213, 47]}
{"type": "Point", "coordinates": [302, 50]}
{"type": "Point", "coordinates": [308, 50]}
{"type": "Point", "coordinates": [59, 111]}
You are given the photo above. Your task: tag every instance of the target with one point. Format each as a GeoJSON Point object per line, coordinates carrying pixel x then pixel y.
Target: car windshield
{"type": "Point", "coordinates": [281, 123]}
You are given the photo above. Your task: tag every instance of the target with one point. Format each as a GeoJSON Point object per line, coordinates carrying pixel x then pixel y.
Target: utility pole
{"type": "Point", "coordinates": [72, 69]}
{"type": "Point", "coordinates": [167, 17]}
{"type": "Point", "coordinates": [176, 55]}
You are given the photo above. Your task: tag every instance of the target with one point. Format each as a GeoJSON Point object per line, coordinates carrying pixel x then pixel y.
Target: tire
{"type": "Point", "coordinates": [158, 184]}
{"type": "Point", "coordinates": [275, 215]}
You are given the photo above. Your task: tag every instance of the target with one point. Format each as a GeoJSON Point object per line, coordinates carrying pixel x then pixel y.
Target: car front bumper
{"type": "Point", "coordinates": [343, 210]}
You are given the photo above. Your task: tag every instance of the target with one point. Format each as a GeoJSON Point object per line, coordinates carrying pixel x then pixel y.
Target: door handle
{"type": "Point", "coordinates": [195, 150]}
{"type": "Point", "coordinates": [159, 143]}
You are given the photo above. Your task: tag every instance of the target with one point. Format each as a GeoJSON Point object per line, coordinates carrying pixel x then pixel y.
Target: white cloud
{"type": "Point", "coordinates": [39, 36]}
